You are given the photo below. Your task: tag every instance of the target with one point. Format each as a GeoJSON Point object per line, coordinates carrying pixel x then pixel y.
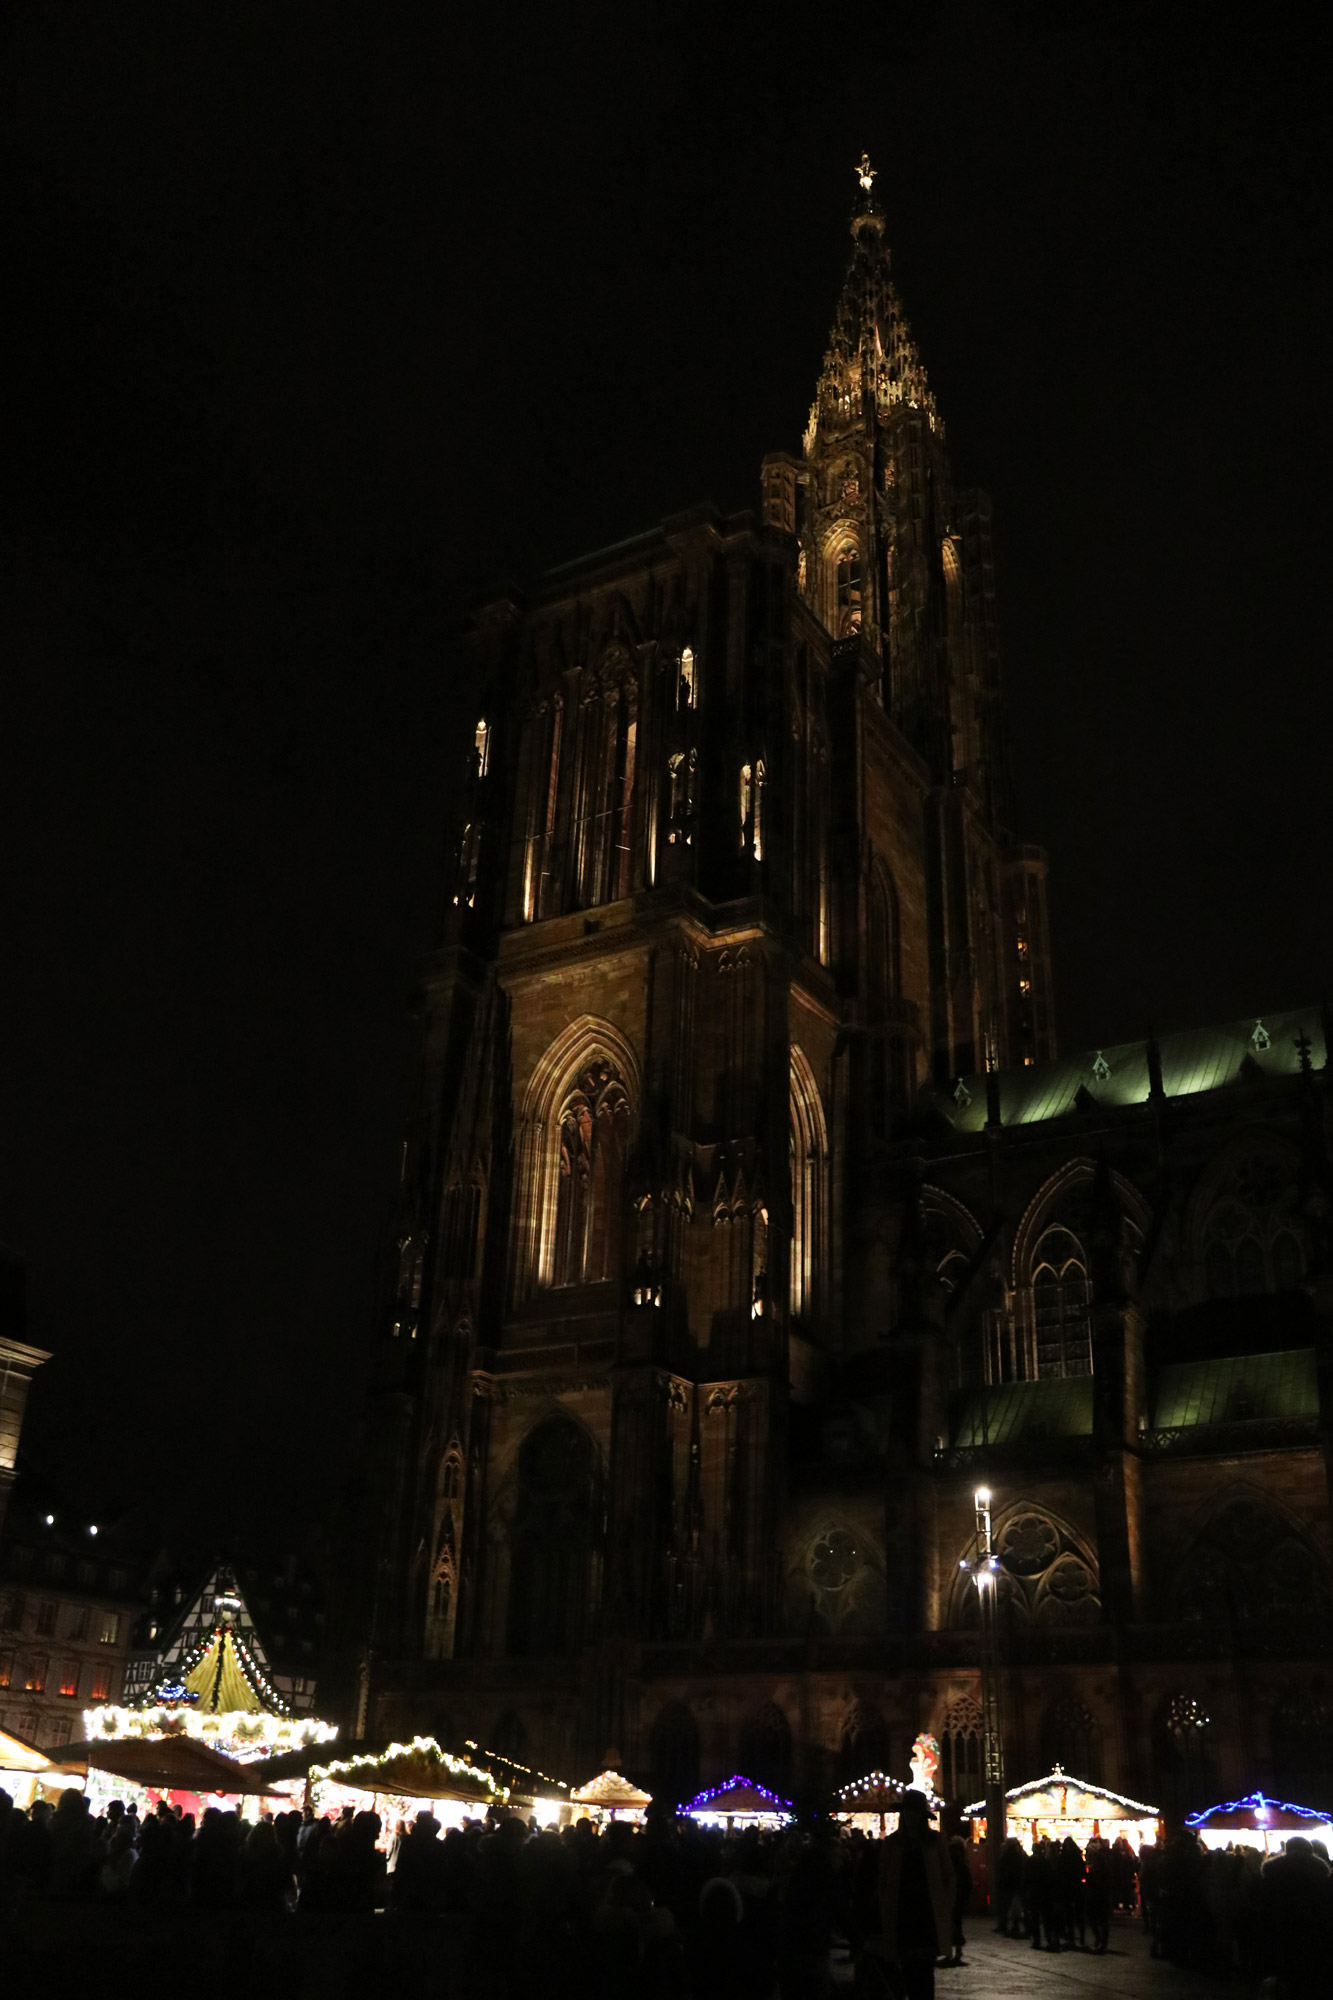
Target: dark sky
{"type": "Point", "coordinates": [324, 319]}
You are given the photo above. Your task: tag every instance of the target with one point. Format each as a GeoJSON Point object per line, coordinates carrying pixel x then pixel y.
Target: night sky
{"type": "Point", "coordinates": [323, 321]}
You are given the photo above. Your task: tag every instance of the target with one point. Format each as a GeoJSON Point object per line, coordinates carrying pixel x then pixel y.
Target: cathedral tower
{"type": "Point", "coordinates": [733, 881]}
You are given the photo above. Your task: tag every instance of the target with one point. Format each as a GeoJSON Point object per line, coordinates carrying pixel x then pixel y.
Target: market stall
{"type": "Point", "coordinates": [739, 1803]}
{"type": "Point", "coordinates": [174, 1769]}
{"type": "Point", "coordinates": [870, 1804]}
{"type": "Point", "coordinates": [27, 1773]}
{"type": "Point", "coordinates": [1258, 1821]}
{"type": "Point", "coordinates": [609, 1796]}
{"type": "Point", "coordinates": [405, 1779]}
{"type": "Point", "coordinates": [1057, 1806]}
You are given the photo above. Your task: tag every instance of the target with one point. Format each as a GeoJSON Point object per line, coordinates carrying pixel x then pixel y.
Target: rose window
{"type": "Point", "coordinates": [835, 1560]}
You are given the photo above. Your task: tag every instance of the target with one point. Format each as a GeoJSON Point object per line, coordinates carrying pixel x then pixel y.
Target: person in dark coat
{"type": "Point", "coordinates": [916, 1892]}
{"type": "Point", "coordinates": [962, 1896]}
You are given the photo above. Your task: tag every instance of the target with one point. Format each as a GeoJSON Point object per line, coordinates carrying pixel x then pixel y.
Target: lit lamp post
{"type": "Point", "coordinates": [984, 1569]}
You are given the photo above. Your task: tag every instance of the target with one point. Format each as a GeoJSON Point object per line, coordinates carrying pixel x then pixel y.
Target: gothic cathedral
{"type": "Point", "coordinates": [748, 1216]}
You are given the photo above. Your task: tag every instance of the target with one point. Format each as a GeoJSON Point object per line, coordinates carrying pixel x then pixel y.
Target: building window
{"type": "Point", "coordinates": [1061, 1301]}
{"type": "Point", "coordinates": [78, 1622]}
{"type": "Point", "coordinates": [34, 1675]}
{"type": "Point", "coordinates": [12, 1618]}
{"type": "Point", "coordinates": [6, 1669]}
{"type": "Point", "coordinates": [46, 1620]}
{"type": "Point", "coordinates": [109, 1631]}
{"type": "Point", "coordinates": [809, 1152]}
{"type": "Point", "coordinates": [1071, 1739]}
{"type": "Point", "coordinates": [594, 1128]}
{"type": "Point", "coordinates": [961, 1767]}
{"type": "Point", "coordinates": [58, 1732]}
{"type": "Point", "coordinates": [101, 1687]}
{"type": "Point", "coordinates": [69, 1679]}
{"type": "Point", "coordinates": [1252, 1243]}
{"type": "Point", "coordinates": [442, 1597]}
{"type": "Point", "coordinates": [482, 741]}
{"type": "Point", "coordinates": [752, 807]}
{"type": "Point", "coordinates": [686, 678]}
{"type": "Point", "coordinates": [848, 585]}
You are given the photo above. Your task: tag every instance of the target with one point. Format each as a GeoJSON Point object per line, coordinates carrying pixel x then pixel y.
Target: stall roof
{"type": "Point", "coordinates": [16, 1755]}
{"type": "Point", "coordinates": [1083, 1799]}
{"type": "Point", "coordinates": [609, 1789]}
{"type": "Point", "coordinates": [738, 1794]}
{"type": "Point", "coordinates": [871, 1793]}
{"type": "Point", "coordinates": [171, 1763]}
{"type": "Point", "coordinates": [1257, 1813]}
{"type": "Point", "coordinates": [416, 1770]}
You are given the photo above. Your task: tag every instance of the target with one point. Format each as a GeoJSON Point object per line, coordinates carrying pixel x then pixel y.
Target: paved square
{"type": "Point", "coordinates": [998, 1968]}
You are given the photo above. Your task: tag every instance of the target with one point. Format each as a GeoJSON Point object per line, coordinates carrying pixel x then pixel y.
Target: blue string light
{"type": "Point", "coordinates": [1256, 1802]}
{"type": "Point", "coordinates": [737, 1783]}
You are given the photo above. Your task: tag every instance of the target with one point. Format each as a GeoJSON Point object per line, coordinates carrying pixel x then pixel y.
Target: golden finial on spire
{"type": "Point", "coordinates": [865, 173]}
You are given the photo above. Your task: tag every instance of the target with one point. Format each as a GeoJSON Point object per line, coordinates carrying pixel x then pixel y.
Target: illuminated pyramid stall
{"type": "Point", "coordinates": [214, 1683]}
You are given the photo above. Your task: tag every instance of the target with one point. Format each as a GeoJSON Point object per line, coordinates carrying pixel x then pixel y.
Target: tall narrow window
{"type": "Point", "coordinates": [808, 1155]}
{"type": "Point", "coordinates": [847, 578]}
{"type": "Point", "coordinates": [1061, 1301]}
{"type": "Point", "coordinates": [482, 741]}
{"type": "Point", "coordinates": [594, 1127]}
{"type": "Point", "coordinates": [686, 687]}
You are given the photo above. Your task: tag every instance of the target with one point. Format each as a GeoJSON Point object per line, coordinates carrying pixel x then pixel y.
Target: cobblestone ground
{"type": "Point", "coordinates": [997, 1968]}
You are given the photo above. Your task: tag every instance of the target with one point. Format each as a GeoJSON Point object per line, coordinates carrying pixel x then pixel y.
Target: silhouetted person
{"type": "Point", "coordinates": [962, 1896]}
{"type": "Point", "coordinates": [916, 1889]}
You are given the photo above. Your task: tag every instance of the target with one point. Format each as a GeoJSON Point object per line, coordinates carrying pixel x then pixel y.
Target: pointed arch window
{"type": "Point", "coordinates": [685, 686]}
{"type": "Point", "coordinates": [847, 587]}
{"type": "Point", "coordinates": [482, 746]}
{"type": "Point", "coordinates": [808, 1160]}
{"type": "Point", "coordinates": [1061, 1301]}
{"type": "Point", "coordinates": [1251, 1241]}
{"type": "Point", "coordinates": [594, 1128]}
{"type": "Point", "coordinates": [606, 764]}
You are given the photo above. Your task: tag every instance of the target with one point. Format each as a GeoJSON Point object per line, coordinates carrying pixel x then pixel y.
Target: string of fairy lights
{"type": "Point", "coordinates": [256, 1679]}
{"type": "Point", "coordinates": [736, 1783]}
{"type": "Point", "coordinates": [423, 1747]}
{"type": "Point", "coordinates": [1057, 1777]}
{"type": "Point", "coordinates": [1258, 1803]}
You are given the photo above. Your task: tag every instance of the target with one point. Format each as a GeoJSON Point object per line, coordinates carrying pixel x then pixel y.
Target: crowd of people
{"type": "Point", "coordinates": [673, 1911]}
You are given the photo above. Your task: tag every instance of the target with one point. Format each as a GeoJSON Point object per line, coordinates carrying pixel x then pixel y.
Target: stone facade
{"type": "Point", "coordinates": [747, 1216]}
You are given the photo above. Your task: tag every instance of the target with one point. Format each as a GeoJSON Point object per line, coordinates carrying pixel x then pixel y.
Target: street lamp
{"type": "Point", "coordinates": [984, 1569]}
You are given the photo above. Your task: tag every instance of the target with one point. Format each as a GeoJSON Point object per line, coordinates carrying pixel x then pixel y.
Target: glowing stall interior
{"type": "Point", "coordinates": [1058, 1806]}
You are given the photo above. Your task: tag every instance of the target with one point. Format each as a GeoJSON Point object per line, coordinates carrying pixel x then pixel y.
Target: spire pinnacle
{"type": "Point", "coordinates": [865, 173]}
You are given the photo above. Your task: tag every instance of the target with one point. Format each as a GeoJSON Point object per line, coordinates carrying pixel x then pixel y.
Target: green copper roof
{"type": "Point", "coordinates": [1012, 1410]}
{"type": "Point", "coordinates": [1199, 1059]}
{"type": "Point", "coordinates": [1243, 1385]}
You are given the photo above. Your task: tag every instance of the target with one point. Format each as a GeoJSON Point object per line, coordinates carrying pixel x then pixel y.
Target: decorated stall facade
{"type": "Point", "coordinates": [1260, 1822]}
{"type": "Point", "coordinates": [406, 1779]}
{"type": "Point", "coordinates": [609, 1796]}
{"type": "Point", "coordinates": [738, 1803]}
{"type": "Point", "coordinates": [1058, 1806]}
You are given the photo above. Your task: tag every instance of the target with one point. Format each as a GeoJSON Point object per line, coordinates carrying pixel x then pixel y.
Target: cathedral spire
{"type": "Point", "coordinates": [872, 362]}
